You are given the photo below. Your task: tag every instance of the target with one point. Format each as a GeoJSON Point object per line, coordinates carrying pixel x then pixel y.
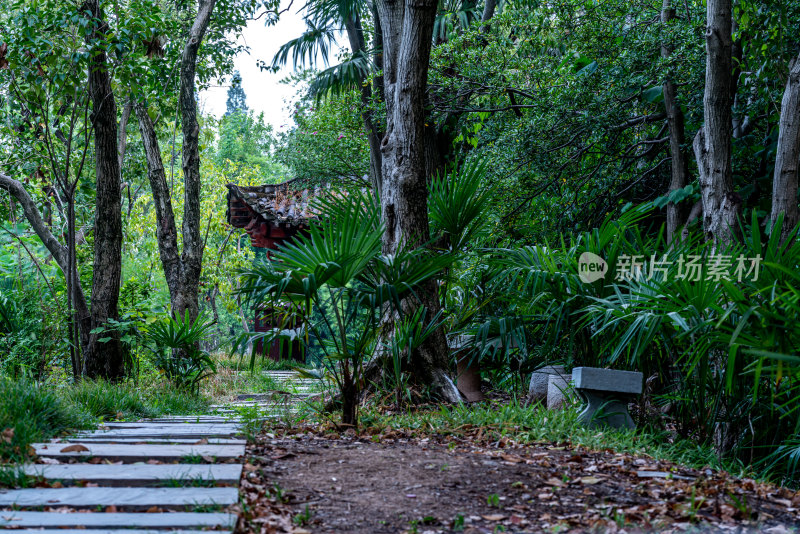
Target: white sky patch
{"type": "Point", "coordinates": [264, 91]}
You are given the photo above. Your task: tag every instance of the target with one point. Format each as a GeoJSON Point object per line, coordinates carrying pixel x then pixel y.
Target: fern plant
{"type": "Point", "coordinates": [174, 344]}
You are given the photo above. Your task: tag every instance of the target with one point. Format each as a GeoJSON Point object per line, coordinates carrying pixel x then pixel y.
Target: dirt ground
{"type": "Point", "coordinates": [319, 483]}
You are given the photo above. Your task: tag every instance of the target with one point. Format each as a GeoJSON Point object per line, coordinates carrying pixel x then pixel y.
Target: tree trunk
{"type": "Point", "coordinates": [680, 163]}
{"type": "Point", "coordinates": [192, 255]}
{"type": "Point", "coordinates": [712, 145]}
{"type": "Point", "coordinates": [181, 269]}
{"type": "Point", "coordinates": [105, 359]}
{"type": "Point", "coordinates": [407, 34]}
{"type": "Point", "coordinates": [784, 182]}
{"type": "Point", "coordinates": [166, 230]}
{"type": "Point", "coordinates": [355, 34]}
{"type": "Point", "coordinates": [59, 252]}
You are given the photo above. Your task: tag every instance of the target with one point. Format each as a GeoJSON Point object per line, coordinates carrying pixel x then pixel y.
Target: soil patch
{"type": "Point", "coordinates": [388, 484]}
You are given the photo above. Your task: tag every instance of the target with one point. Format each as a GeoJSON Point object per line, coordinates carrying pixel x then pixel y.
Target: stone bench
{"type": "Point", "coordinates": [607, 393]}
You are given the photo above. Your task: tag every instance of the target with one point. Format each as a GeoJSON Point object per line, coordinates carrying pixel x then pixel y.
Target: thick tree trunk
{"type": "Point", "coordinates": [408, 30]}
{"type": "Point", "coordinates": [181, 269]}
{"type": "Point", "coordinates": [105, 359]}
{"type": "Point", "coordinates": [784, 183]}
{"type": "Point", "coordinates": [192, 255]}
{"type": "Point", "coordinates": [712, 145]}
{"type": "Point", "coordinates": [680, 163]}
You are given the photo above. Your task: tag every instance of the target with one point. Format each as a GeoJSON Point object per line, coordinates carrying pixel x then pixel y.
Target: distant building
{"type": "Point", "coordinates": [271, 214]}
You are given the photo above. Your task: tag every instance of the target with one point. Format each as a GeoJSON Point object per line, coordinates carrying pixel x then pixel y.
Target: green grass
{"type": "Point", "coordinates": [30, 413]}
{"type": "Point", "coordinates": [535, 424]}
{"type": "Point", "coordinates": [125, 401]}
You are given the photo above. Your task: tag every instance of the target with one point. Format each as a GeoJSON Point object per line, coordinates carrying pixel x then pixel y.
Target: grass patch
{"type": "Point", "coordinates": [536, 424]}
{"type": "Point", "coordinates": [29, 413]}
{"type": "Point", "coordinates": [109, 401]}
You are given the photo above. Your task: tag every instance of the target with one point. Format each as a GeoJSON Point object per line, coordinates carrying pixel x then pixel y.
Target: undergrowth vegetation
{"type": "Point", "coordinates": [31, 412]}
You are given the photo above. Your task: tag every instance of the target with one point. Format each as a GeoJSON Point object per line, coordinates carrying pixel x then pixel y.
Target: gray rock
{"type": "Point", "coordinates": [537, 389]}
{"type": "Point", "coordinates": [559, 391]}
{"type": "Point", "coordinates": [610, 380]}
{"type": "Point", "coordinates": [606, 393]}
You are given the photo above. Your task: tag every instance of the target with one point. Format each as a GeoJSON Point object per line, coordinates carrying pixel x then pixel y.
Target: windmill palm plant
{"type": "Point", "coordinates": [726, 348]}
{"type": "Point", "coordinates": [336, 282]}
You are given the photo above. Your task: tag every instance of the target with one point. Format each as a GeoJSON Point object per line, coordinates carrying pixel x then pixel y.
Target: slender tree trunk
{"type": "Point", "coordinates": [680, 163]}
{"type": "Point", "coordinates": [166, 229]}
{"type": "Point", "coordinates": [105, 359]}
{"type": "Point", "coordinates": [712, 145]}
{"type": "Point", "coordinates": [355, 34]}
{"type": "Point", "coordinates": [60, 253]}
{"type": "Point", "coordinates": [192, 255]}
{"type": "Point", "coordinates": [784, 182]}
{"type": "Point", "coordinates": [408, 30]}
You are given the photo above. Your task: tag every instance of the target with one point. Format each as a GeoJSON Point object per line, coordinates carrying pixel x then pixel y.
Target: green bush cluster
{"type": "Point", "coordinates": [719, 352]}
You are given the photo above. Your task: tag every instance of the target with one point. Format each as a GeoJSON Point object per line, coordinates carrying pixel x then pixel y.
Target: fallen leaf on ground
{"type": "Point", "coordinates": [590, 480]}
{"type": "Point", "coordinates": [555, 482]}
{"type": "Point", "coordinates": [75, 448]}
{"type": "Point", "coordinates": [493, 517]}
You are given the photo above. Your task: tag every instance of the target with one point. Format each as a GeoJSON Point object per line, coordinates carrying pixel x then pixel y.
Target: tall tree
{"type": "Point", "coordinates": [104, 359]}
{"type": "Point", "coordinates": [182, 268]}
{"type": "Point", "coordinates": [237, 99]}
{"type": "Point", "coordinates": [407, 38]}
{"type": "Point", "coordinates": [675, 120]}
{"type": "Point", "coordinates": [712, 145]}
{"type": "Point", "coordinates": [66, 138]}
{"type": "Point", "coordinates": [784, 184]}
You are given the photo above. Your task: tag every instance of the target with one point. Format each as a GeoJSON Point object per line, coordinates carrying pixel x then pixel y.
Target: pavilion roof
{"type": "Point", "coordinates": [288, 203]}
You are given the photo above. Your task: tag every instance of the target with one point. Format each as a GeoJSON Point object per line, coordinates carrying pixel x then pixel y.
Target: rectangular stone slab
{"type": "Point", "coordinates": [611, 380]}
{"type": "Point", "coordinates": [173, 425]}
{"type": "Point", "coordinates": [129, 498]}
{"type": "Point", "coordinates": [139, 453]}
{"type": "Point", "coordinates": [136, 475]}
{"type": "Point", "coordinates": [162, 440]}
{"type": "Point", "coordinates": [116, 531]}
{"type": "Point", "coordinates": [176, 520]}
{"type": "Point", "coordinates": [159, 433]}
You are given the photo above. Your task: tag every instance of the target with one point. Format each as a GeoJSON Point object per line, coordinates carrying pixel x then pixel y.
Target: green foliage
{"type": "Point", "coordinates": [31, 413]}
{"type": "Point", "coordinates": [531, 424]}
{"type": "Point", "coordinates": [337, 269]}
{"type": "Point", "coordinates": [328, 143]}
{"type": "Point", "coordinates": [108, 401]}
{"type": "Point", "coordinates": [174, 343]}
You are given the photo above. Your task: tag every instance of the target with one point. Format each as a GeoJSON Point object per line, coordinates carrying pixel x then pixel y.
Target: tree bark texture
{"type": "Point", "coordinates": [181, 268]}
{"type": "Point", "coordinates": [166, 229]}
{"type": "Point", "coordinates": [784, 182]}
{"type": "Point", "coordinates": [407, 33]}
{"type": "Point", "coordinates": [105, 359]}
{"type": "Point", "coordinates": [192, 254]}
{"type": "Point", "coordinates": [675, 122]}
{"type": "Point", "coordinates": [355, 35]}
{"type": "Point", "coordinates": [712, 145]}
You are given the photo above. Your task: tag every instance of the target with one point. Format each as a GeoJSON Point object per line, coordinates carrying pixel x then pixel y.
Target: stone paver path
{"type": "Point", "coordinates": [177, 474]}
